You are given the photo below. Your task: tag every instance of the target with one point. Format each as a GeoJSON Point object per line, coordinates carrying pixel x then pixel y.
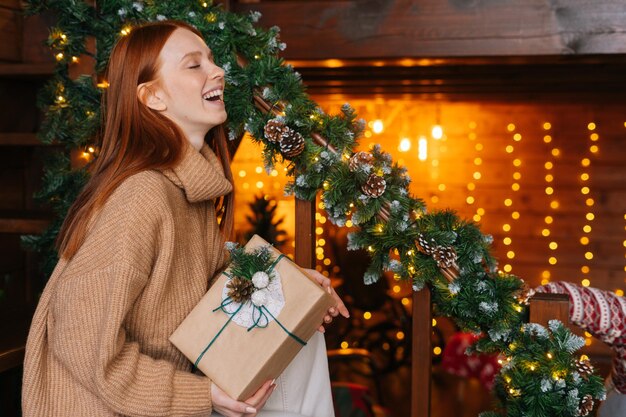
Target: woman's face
{"type": "Point", "coordinates": [190, 85]}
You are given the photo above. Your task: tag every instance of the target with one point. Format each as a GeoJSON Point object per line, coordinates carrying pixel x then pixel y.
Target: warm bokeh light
{"type": "Point", "coordinates": [422, 148]}
{"type": "Point", "coordinates": [405, 145]}
{"type": "Point", "coordinates": [378, 126]}
{"type": "Point", "coordinates": [437, 132]}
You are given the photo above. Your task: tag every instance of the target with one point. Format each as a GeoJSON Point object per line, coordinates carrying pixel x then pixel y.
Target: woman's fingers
{"type": "Point", "coordinates": [267, 395]}
{"type": "Point", "coordinates": [256, 398]}
{"type": "Point", "coordinates": [228, 406]}
{"type": "Point", "coordinates": [340, 307]}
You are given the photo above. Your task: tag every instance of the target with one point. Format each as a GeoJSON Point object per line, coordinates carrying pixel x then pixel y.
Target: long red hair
{"type": "Point", "coordinates": [134, 137]}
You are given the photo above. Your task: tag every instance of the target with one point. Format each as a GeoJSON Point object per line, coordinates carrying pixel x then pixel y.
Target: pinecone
{"type": "Point", "coordinates": [427, 247]}
{"type": "Point", "coordinates": [240, 289]}
{"type": "Point", "coordinates": [274, 130]}
{"type": "Point", "coordinates": [584, 368]}
{"type": "Point", "coordinates": [445, 256]}
{"type": "Point", "coordinates": [291, 143]}
{"type": "Point", "coordinates": [374, 186]}
{"type": "Point", "coordinates": [586, 405]}
{"type": "Point", "coordinates": [358, 159]}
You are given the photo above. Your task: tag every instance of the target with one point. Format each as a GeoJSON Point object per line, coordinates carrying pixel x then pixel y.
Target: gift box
{"type": "Point", "coordinates": [240, 345]}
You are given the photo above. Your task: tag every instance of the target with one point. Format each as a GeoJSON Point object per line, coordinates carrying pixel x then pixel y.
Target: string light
{"type": "Point", "coordinates": [515, 187]}
{"type": "Point", "coordinates": [589, 216]}
{"type": "Point", "coordinates": [422, 148]}
{"type": "Point", "coordinates": [550, 191]}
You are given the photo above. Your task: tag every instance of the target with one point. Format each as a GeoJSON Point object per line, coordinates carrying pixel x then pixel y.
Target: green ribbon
{"type": "Point", "coordinates": [259, 315]}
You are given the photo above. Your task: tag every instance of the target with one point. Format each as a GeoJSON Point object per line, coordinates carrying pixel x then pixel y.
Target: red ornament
{"type": "Point", "coordinates": [480, 366]}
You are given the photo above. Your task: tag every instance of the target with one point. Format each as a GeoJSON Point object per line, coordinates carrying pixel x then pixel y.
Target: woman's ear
{"type": "Point", "coordinates": [150, 98]}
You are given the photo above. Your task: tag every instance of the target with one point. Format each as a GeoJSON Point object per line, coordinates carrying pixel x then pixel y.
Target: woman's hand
{"type": "Point", "coordinates": [229, 407]}
{"type": "Point", "coordinates": [339, 308]}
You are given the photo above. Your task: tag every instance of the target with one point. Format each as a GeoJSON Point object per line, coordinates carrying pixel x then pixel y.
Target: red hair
{"type": "Point", "coordinates": [135, 138]}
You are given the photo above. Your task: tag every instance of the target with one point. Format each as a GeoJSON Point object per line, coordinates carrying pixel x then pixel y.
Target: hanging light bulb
{"type": "Point", "coordinates": [405, 145]}
{"type": "Point", "coordinates": [437, 132]}
{"type": "Point", "coordinates": [378, 126]}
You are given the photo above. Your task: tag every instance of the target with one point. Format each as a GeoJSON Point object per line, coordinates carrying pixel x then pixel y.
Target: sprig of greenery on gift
{"type": "Point", "coordinates": [355, 189]}
{"type": "Point", "coordinates": [244, 264]}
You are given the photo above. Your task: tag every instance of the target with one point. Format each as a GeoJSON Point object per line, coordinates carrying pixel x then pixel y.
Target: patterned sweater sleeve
{"type": "Point", "coordinates": [88, 335]}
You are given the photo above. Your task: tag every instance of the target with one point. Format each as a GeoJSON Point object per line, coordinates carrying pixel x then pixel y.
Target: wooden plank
{"type": "Point", "coordinates": [26, 70]}
{"type": "Point", "coordinates": [546, 307]}
{"type": "Point", "coordinates": [10, 4]}
{"type": "Point", "coordinates": [11, 358]}
{"type": "Point", "coordinates": [305, 233]}
{"type": "Point", "coordinates": [37, 29]}
{"type": "Point", "coordinates": [23, 226]}
{"type": "Point", "coordinates": [11, 34]}
{"type": "Point", "coordinates": [20, 139]}
{"type": "Point", "coordinates": [488, 78]}
{"type": "Point", "coordinates": [432, 28]}
{"type": "Point", "coordinates": [421, 354]}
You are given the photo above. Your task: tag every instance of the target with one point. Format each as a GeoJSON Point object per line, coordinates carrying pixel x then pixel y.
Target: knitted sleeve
{"type": "Point", "coordinates": [90, 306]}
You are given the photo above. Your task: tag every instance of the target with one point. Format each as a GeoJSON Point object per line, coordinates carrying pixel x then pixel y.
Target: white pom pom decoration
{"type": "Point", "coordinates": [259, 298]}
{"type": "Point", "coordinates": [260, 279]}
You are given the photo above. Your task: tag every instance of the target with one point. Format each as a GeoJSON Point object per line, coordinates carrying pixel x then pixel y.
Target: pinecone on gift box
{"type": "Point", "coordinates": [586, 405]}
{"type": "Point", "coordinates": [240, 289]}
{"type": "Point", "coordinates": [374, 186]}
{"type": "Point", "coordinates": [359, 159]}
{"type": "Point", "coordinates": [291, 143]}
{"type": "Point", "coordinates": [584, 368]}
{"type": "Point", "coordinates": [445, 256]}
{"type": "Point", "coordinates": [274, 129]}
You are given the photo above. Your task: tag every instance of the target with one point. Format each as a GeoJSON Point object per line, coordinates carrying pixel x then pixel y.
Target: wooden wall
{"type": "Point", "coordinates": [25, 63]}
{"type": "Point", "coordinates": [323, 29]}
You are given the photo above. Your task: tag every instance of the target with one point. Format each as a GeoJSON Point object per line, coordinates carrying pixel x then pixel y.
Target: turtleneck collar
{"type": "Point", "coordinates": [199, 174]}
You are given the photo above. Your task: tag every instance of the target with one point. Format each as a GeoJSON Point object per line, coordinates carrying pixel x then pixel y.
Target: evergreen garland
{"type": "Point", "coordinates": [478, 297]}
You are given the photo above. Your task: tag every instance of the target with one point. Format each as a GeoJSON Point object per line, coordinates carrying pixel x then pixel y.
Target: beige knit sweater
{"type": "Point", "coordinates": [98, 343]}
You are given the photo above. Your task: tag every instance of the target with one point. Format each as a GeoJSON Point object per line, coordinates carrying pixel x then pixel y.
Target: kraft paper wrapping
{"type": "Point", "coordinates": [240, 361]}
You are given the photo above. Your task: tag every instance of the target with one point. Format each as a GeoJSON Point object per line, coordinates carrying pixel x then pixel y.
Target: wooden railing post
{"type": "Point", "coordinates": [421, 354]}
{"type": "Point", "coordinates": [305, 233]}
{"type": "Point", "coordinates": [546, 306]}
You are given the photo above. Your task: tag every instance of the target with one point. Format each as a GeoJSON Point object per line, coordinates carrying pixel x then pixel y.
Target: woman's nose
{"type": "Point", "coordinates": [216, 72]}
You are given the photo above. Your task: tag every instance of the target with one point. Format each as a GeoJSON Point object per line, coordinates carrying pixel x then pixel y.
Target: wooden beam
{"type": "Point", "coordinates": [11, 358]}
{"type": "Point", "coordinates": [319, 29]}
{"type": "Point", "coordinates": [421, 354]}
{"type": "Point", "coordinates": [494, 78]}
{"type": "Point", "coordinates": [20, 139]}
{"type": "Point", "coordinates": [18, 225]}
{"type": "Point", "coordinates": [305, 233]}
{"type": "Point", "coordinates": [545, 307]}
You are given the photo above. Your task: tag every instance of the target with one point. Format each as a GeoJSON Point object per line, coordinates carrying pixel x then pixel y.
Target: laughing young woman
{"type": "Point", "coordinates": [138, 247]}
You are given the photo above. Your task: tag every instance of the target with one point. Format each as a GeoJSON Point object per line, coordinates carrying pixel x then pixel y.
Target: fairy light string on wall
{"type": "Point", "coordinates": [550, 191]}
{"type": "Point", "coordinates": [585, 190]}
{"type": "Point", "coordinates": [508, 201]}
{"type": "Point", "coordinates": [476, 175]}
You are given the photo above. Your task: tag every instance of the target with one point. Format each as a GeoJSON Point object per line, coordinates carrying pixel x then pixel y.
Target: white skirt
{"type": "Point", "coordinates": [303, 389]}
